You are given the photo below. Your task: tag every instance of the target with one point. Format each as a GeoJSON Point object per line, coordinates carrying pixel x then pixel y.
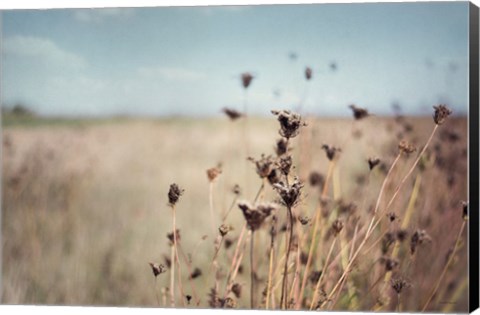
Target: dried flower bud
{"type": "Point", "coordinates": [264, 165]}
{"type": "Point", "coordinates": [247, 78]}
{"type": "Point", "coordinates": [389, 263]}
{"type": "Point", "coordinates": [330, 151]}
{"type": "Point", "coordinates": [174, 194]}
{"type": "Point", "coordinates": [188, 298]}
{"type": "Point", "coordinates": [359, 113]}
{"type": "Point", "coordinates": [304, 220]}
{"type": "Point", "coordinates": [157, 268]}
{"type": "Point", "coordinates": [402, 235]}
{"type": "Point", "coordinates": [346, 208]}
{"type": "Point", "coordinates": [224, 229]}
{"type": "Point", "coordinates": [232, 113]}
{"type": "Point", "coordinates": [228, 242]}
{"type": "Point", "coordinates": [290, 123]}
{"type": "Point", "coordinates": [228, 302]}
{"type": "Point", "coordinates": [255, 216]}
{"type": "Point", "coordinates": [197, 272]}
{"type": "Point", "coordinates": [406, 147]}
{"type": "Point", "coordinates": [212, 173]}
{"type": "Point", "coordinates": [315, 276]}
{"type": "Point", "coordinates": [281, 147]}
{"type": "Point", "coordinates": [274, 176]}
{"type": "Point", "coordinates": [398, 284]}
{"type": "Point", "coordinates": [418, 238]}
{"type": "Point", "coordinates": [237, 290]}
{"type": "Point", "coordinates": [441, 113]}
{"type": "Point", "coordinates": [236, 190]}
{"type": "Point", "coordinates": [285, 164]}
{"type": "Point", "coordinates": [372, 162]}
{"type": "Point", "coordinates": [308, 73]}
{"type": "Point", "coordinates": [290, 194]}
{"type": "Point", "coordinates": [337, 227]}
{"type": "Point", "coordinates": [170, 236]}
{"type": "Point", "coordinates": [316, 179]}
{"type": "Point", "coordinates": [392, 216]}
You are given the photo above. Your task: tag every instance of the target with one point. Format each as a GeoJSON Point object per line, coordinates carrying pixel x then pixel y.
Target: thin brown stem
{"type": "Point", "coordinates": [283, 299]}
{"type": "Point", "coordinates": [252, 272]}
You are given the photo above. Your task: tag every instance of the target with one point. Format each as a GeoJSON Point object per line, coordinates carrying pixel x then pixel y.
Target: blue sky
{"type": "Point", "coordinates": [188, 61]}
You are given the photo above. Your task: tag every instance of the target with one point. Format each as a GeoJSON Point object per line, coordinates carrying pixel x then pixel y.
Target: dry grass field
{"type": "Point", "coordinates": [85, 209]}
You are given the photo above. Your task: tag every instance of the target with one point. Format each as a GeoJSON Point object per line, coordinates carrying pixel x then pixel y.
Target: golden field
{"type": "Point", "coordinates": [85, 209]}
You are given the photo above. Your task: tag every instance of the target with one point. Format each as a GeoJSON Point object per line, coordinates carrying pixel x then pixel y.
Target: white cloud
{"type": "Point", "coordinates": [171, 74]}
{"type": "Point", "coordinates": [42, 49]}
{"type": "Point", "coordinates": [99, 15]}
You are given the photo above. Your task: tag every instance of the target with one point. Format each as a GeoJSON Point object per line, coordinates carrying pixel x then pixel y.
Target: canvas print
{"type": "Point", "coordinates": [273, 157]}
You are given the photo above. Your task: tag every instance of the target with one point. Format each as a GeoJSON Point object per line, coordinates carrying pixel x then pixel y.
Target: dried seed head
{"type": "Point", "coordinates": [418, 238]}
{"type": "Point", "coordinates": [321, 298]}
{"type": "Point", "coordinates": [315, 276]}
{"type": "Point", "coordinates": [264, 165]}
{"type": "Point", "coordinates": [285, 164]}
{"type": "Point", "coordinates": [188, 298]}
{"type": "Point", "coordinates": [402, 235]}
{"type": "Point", "coordinates": [197, 272]}
{"type": "Point", "coordinates": [282, 147]}
{"type": "Point", "coordinates": [465, 210]}
{"type": "Point", "coordinates": [228, 242]}
{"type": "Point", "coordinates": [392, 216]}
{"type": "Point", "coordinates": [168, 262]}
{"type": "Point", "coordinates": [308, 73]}
{"type": "Point", "coordinates": [236, 190]}
{"type": "Point", "coordinates": [303, 258]}
{"type": "Point", "coordinates": [213, 300]}
{"type": "Point", "coordinates": [398, 284]}
{"type": "Point", "coordinates": [406, 147]}
{"type": "Point", "coordinates": [346, 208]}
{"type": "Point", "coordinates": [157, 268]}
{"type": "Point", "coordinates": [359, 113]}
{"type": "Point", "coordinates": [255, 216]}
{"type": "Point", "coordinates": [228, 302]}
{"type": "Point", "coordinates": [237, 290]}
{"type": "Point", "coordinates": [304, 220]}
{"type": "Point", "coordinates": [274, 176]}
{"type": "Point", "coordinates": [330, 151]}
{"type": "Point", "coordinates": [389, 263]}
{"type": "Point", "coordinates": [290, 194]}
{"type": "Point", "coordinates": [232, 113]}
{"type": "Point", "coordinates": [290, 123]}
{"type": "Point", "coordinates": [212, 173]}
{"type": "Point", "coordinates": [170, 236]}
{"type": "Point", "coordinates": [174, 194]}
{"type": "Point", "coordinates": [316, 179]}
{"type": "Point", "coordinates": [247, 78]}
{"type": "Point", "coordinates": [224, 229]}
{"type": "Point", "coordinates": [441, 113]}
{"type": "Point", "coordinates": [372, 162]}
{"type": "Point", "coordinates": [337, 227]}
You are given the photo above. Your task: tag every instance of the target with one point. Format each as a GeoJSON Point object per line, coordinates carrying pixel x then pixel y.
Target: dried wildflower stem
{"type": "Point", "coordinates": [397, 190]}
{"type": "Point", "coordinates": [233, 265]}
{"type": "Point", "coordinates": [172, 276]}
{"type": "Point", "coordinates": [447, 265]}
{"type": "Point", "coordinates": [210, 198]}
{"type": "Point", "coordinates": [283, 299]}
{"type": "Point", "coordinates": [252, 271]}
{"type": "Point", "coordinates": [269, 283]}
{"type": "Point", "coordinates": [384, 184]}
{"type": "Point", "coordinates": [190, 280]}
{"type": "Point", "coordinates": [324, 271]}
{"type": "Point", "coordinates": [230, 209]}
{"type": "Point", "coordinates": [175, 259]}
{"type": "Point", "coordinates": [318, 214]}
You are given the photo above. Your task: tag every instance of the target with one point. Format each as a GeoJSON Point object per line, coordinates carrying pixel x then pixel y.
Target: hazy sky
{"type": "Point", "coordinates": [154, 61]}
